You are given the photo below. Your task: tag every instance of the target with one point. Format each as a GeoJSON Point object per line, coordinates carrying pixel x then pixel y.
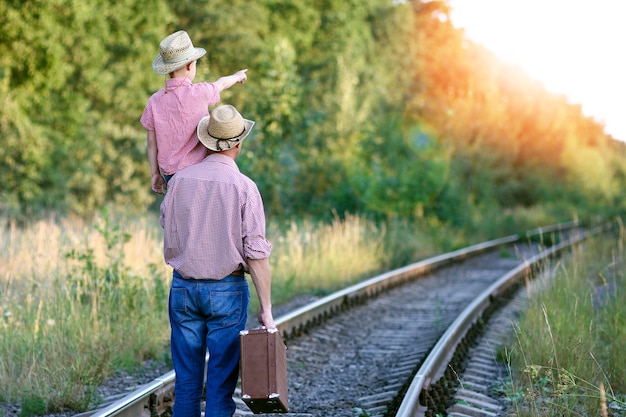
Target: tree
{"type": "Point", "coordinates": [73, 86]}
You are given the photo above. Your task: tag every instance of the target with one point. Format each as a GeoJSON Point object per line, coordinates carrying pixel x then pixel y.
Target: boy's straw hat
{"type": "Point", "coordinates": [223, 129]}
{"type": "Point", "coordinates": [175, 51]}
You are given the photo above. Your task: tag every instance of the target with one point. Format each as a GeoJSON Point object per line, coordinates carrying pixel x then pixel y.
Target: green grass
{"type": "Point", "coordinates": [70, 316]}
{"type": "Point", "coordinates": [80, 299]}
{"type": "Point", "coordinates": [568, 355]}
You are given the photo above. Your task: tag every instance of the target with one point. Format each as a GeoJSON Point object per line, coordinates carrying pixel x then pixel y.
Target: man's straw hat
{"type": "Point", "coordinates": [223, 129]}
{"type": "Point", "coordinates": [175, 51]}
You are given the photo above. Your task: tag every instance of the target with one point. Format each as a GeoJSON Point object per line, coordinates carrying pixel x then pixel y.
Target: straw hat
{"type": "Point", "coordinates": [223, 129]}
{"type": "Point", "coordinates": [175, 51]}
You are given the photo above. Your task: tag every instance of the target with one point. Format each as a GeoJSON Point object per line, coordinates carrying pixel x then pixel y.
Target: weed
{"type": "Point", "coordinates": [359, 412]}
{"type": "Point", "coordinates": [564, 338]}
{"type": "Point", "coordinates": [33, 405]}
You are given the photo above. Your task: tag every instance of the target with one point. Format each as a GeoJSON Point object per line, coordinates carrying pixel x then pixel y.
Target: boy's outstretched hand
{"type": "Point", "coordinates": [242, 76]}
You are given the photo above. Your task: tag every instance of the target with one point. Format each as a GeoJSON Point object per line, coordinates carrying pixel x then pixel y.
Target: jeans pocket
{"type": "Point", "coordinates": [227, 307]}
{"type": "Point", "coordinates": [178, 304]}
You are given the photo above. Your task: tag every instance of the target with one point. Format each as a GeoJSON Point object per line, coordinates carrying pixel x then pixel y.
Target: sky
{"type": "Point", "coordinates": [574, 47]}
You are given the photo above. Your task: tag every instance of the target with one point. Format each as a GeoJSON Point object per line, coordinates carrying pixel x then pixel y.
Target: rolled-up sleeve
{"type": "Point", "coordinates": [147, 118]}
{"type": "Point", "coordinates": [257, 249]}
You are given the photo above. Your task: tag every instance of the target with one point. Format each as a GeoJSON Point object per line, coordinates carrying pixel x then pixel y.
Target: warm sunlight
{"type": "Point", "coordinates": [573, 47]}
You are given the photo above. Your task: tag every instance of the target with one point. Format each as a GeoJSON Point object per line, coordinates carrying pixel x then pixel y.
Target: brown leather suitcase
{"type": "Point", "coordinates": [263, 368]}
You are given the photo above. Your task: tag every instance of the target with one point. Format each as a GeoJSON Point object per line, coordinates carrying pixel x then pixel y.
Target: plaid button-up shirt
{"type": "Point", "coordinates": [213, 220]}
{"type": "Point", "coordinates": [173, 113]}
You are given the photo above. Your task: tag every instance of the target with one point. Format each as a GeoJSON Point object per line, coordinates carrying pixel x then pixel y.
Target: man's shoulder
{"type": "Point", "coordinates": [213, 166]}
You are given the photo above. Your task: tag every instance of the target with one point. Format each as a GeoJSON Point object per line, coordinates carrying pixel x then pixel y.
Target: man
{"type": "Point", "coordinates": [214, 232]}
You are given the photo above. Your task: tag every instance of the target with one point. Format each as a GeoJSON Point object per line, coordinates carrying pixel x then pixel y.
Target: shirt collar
{"type": "Point", "coordinates": [222, 159]}
{"type": "Point", "coordinates": [173, 83]}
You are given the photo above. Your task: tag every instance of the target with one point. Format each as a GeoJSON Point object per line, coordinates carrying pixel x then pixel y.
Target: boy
{"type": "Point", "coordinates": [172, 113]}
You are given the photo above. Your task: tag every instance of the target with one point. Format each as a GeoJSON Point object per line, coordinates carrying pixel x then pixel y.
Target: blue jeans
{"type": "Point", "coordinates": [207, 314]}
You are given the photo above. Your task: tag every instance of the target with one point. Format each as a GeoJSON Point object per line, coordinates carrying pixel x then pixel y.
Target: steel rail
{"type": "Point", "coordinates": [144, 400]}
{"type": "Point", "coordinates": [293, 323]}
{"type": "Point", "coordinates": [139, 402]}
{"type": "Point", "coordinates": [434, 366]}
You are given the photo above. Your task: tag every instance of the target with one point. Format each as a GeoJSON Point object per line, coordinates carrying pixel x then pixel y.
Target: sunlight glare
{"type": "Point", "coordinates": [573, 47]}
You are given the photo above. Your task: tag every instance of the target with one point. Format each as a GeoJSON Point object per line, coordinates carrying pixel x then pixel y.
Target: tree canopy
{"type": "Point", "coordinates": [373, 106]}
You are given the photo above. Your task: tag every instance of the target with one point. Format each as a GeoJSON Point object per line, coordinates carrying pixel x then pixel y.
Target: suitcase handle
{"type": "Point", "coordinates": [269, 330]}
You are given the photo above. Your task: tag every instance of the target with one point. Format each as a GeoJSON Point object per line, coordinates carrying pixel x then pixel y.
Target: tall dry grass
{"type": "Point", "coordinates": [80, 299]}
{"type": "Point", "coordinates": [77, 300]}
{"type": "Point", "coordinates": [309, 257]}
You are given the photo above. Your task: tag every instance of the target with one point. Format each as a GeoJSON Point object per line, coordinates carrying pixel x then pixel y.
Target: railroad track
{"type": "Point", "coordinates": [386, 346]}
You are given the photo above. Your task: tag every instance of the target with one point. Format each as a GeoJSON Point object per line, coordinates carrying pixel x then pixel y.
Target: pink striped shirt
{"type": "Point", "coordinates": [173, 114]}
{"type": "Point", "coordinates": [213, 220]}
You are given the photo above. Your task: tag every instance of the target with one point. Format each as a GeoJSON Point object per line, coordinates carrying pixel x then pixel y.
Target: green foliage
{"type": "Point", "coordinates": [359, 412]}
{"type": "Point", "coordinates": [70, 75]}
{"type": "Point", "coordinates": [565, 358]}
{"type": "Point", "coordinates": [33, 405]}
{"type": "Point", "coordinates": [364, 107]}
{"type": "Point", "coordinates": [109, 282]}
{"type": "Point", "coordinates": [77, 322]}
{"type": "Point", "coordinates": [399, 174]}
